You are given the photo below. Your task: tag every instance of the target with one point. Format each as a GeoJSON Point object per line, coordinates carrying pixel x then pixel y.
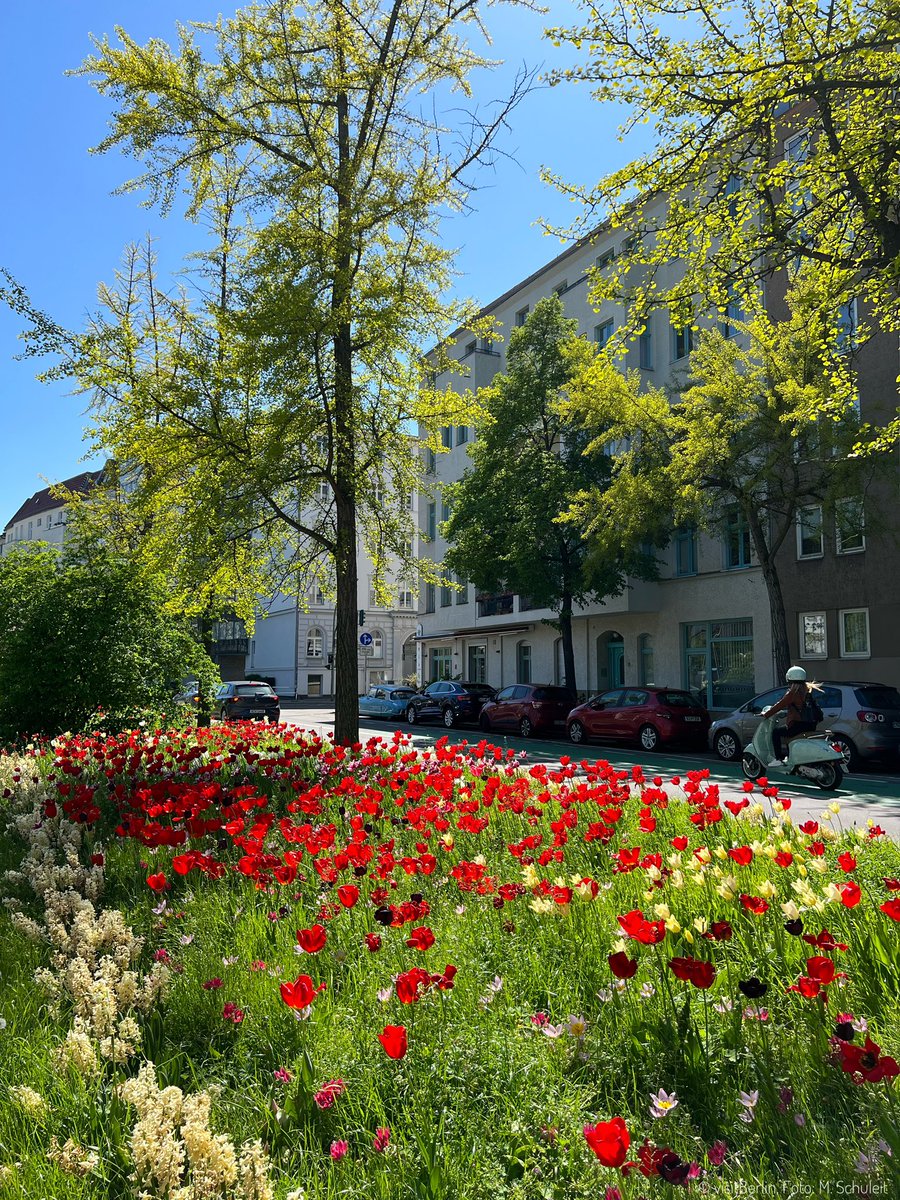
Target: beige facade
{"type": "Point", "coordinates": [705, 624]}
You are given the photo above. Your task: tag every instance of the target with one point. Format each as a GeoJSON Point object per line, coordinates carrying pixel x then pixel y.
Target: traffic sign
{"type": "Point", "coordinates": [365, 639]}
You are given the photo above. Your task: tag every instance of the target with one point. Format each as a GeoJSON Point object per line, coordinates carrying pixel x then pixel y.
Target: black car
{"type": "Point", "coordinates": [247, 699]}
{"type": "Point", "coordinates": [449, 702]}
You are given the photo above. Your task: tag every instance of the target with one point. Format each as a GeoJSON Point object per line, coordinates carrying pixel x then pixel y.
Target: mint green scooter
{"type": "Point", "coordinates": [810, 756]}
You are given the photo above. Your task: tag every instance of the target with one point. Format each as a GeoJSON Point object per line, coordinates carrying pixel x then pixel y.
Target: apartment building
{"type": "Point", "coordinates": [703, 624]}
{"type": "Point", "coordinates": [42, 518]}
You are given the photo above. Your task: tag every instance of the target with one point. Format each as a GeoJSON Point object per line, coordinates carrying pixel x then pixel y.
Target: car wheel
{"type": "Point", "coordinates": [648, 737]}
{"type": "Point", "coordinates": [526, 729]}
{"type": "Point", "coordinates": [577, 733]}
{"type": "Point", "coordinates": [726, 745]}
{"type": "Point", "coordinates": [223, 716]}
{"type": "Point", "coordinates": [411, 715]}
{"type": "Point", "coordinates": [484, 723]}
{"type": "Point", "coordinates": [448, 716]}
{"type": "Point", "coordinates": [849, 753]}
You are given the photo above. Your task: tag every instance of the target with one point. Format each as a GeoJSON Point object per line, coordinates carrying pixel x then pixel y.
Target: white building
{"type": "Point", "coordinates": [705, 624]}
{"type": "Point", "coordinates": [42, 518]}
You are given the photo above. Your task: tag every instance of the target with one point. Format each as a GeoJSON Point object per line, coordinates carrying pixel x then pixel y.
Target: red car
{"type": "Point", "coordinates": [647, 715]}
{"type": "Point", "coordinates": [528, 708]}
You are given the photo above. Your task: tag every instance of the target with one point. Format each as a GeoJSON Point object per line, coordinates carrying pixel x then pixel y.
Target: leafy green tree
{"type": "Point", "coordinates": [767, 425]}
{"type": "Point", "coordinates": [528, 464]}
{"type": "Point", "coordinates": [776, 141]}
{"type": "Point", "coordinates": [85, 640]}
{"type": "Point", "coordinates": [266, 423]}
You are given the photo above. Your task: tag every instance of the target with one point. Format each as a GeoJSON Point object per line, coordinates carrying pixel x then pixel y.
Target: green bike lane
{"type": "Point", "coordinates": [863, 796]}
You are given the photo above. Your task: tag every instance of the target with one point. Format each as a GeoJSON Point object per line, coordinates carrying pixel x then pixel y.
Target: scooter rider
{"type": "Point", "coordinates": [792, 703]}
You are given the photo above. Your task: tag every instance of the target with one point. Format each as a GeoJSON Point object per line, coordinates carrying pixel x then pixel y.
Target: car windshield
{"type": "Point", "coordinates": [555, 693]}
{"type": "Point", "coordinates": [677, 699]}
{"type": "Point", "coordinates": [879, 697]}
{"type": "Point", "coordinates": [253, 689]}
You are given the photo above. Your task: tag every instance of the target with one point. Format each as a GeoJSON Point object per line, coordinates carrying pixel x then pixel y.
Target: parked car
{"type": "Point", "coordinates": [386, 700]}
{"type": "Point", "coordinates": [189, 693]}
{"type": "Point", "coordinates": [863, 718]}
{"type": "Point", "coordinates": [528, 707]}
{"type": "Point", "coordinates": [247, 698]}
{"type": "Point", "coordinates": [449, 702]}
{"type": "Point", "coordinates": [647, 715]}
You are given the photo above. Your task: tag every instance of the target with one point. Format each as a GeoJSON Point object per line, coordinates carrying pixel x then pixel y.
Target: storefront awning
{"type": "Point", "coordinates": [473, 630]}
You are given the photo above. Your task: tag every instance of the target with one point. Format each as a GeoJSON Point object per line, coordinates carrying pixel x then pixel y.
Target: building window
{"type": "Point", "coordinates": [561, 288]}
{"type": "Point", "coordinates": [445, 511]}
{"type": "Point", "coordinates": [446, 596]}
{"type": "Point", "coordinates": [441, 663]}
{"type": "Point", "coordinates": [731, 314]}
{"type": "Point", "coordinates": [522, 316]}
{"type": "Point", "coordinates": [431, 525]}
{"type": "Point", "coordinates": [405, 598]}
{"type": "Point", "coordinates": [447, 436]}
{"type": "Point", "coordinates": [373, 595]}
{"type": "Point", "coordinates": [39, 522]}
{"type": "Point", "coordinates": [429, 597]}
{"type": "Point", "coordinates": [471, 347]}
{"type": "Point", "coordinates": [376, 650]}
{"type": "Point", "coordinates": [523, 662]}
{"type": "Point", "coordinates": [718, 662]}
{"type": "Point", "coordinates": [316, 595]}
{"type": "Point", "coordinates": [854, 626]}
{"type": "Point", "coordinates": [462, 434]}
{"type": "Point", "coordinates": [736, 541]}
{"type": "Point", "coordinates": [604, 259]}
{"type": "Point", "coordinates": [645, 348]}
{"type": "Point", "coordinates": [645, 651]}
{"type": "Point", "coordinates": [682, 342]}
{"type": "Point", "coordinates": [314, 643]}
{"type": "Point", "coordinates": [430, 461]}
{"type": "Point", "coordinates": [849, 526]}
{"type": "Point", "coordinates": [323, 489]}
{"type": "Point", "coordinates": [603, 332]}
{"type": "Point", "coordinates": [462, 596]}
{"type": "Point", "coordinates": [686, 550]}
{"type": "Point", "coordinates": [809, 531]}
{"type": "Point", "coordinates": [477, 672]}
{"type": "Point", "coordinates": [813, 635]}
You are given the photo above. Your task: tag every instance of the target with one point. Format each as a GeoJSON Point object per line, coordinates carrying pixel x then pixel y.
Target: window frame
{"type": "Point", "coordinates": [845, 653]}
{"type": "Point", "coordinates": [839, 547]}
{"type": "Point", "coordinates": [315, 635]}
{"type": "Point", "coordinates": [806, 554]}
{"type": "Point", "coordinates": [804, 652]}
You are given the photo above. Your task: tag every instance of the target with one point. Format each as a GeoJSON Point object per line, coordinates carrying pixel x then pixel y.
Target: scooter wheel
{"type": "Point", "coordinates": [752, 767]}
{"type": "Point", "coordinates": [829, 776]}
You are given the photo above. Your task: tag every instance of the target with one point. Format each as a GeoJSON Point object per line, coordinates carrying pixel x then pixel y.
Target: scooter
{"type": "Point", "coordinates": [810, 756]}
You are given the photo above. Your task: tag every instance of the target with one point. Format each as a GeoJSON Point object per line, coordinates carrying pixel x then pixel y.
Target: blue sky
{"type": "Point", "coordinates": [62, 230]}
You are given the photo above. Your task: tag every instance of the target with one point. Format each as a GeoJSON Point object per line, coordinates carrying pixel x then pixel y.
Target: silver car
{"type": "Point", "coordinates": [864, 719]}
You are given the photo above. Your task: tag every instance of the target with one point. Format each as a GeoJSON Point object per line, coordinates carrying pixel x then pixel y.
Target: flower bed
{"type": "Point", "coordinates": [241, 962]}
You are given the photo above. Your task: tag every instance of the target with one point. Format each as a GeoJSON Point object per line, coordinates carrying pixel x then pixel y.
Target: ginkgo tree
{"type": "Point", "coordinates": [264, 412]}
{"type": "Point", "coordinates": [774, 143]}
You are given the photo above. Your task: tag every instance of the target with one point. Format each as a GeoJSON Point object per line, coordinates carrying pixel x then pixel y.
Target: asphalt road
{"type": "Point", "coordinates": [869, 795]}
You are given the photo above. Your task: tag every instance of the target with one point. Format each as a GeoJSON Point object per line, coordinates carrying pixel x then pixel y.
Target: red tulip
{"type": "Point", "coordinates": [348, 894]}
{"type": "Point", "coordinates": [621, 965]}
{"type": "Point", "coordinates": [891, 908]}
{"type": "Point", "coordinates": [820, 968]}
{"type": "Point", "coordinates": [312, 940]}
{"type": "Point", "coordinates": [158, 882]}
{"type": "Point", "coordinates": [420, 938]}
{"type": "Point", "coordinates": [394, 1041]}
{"type": "Point", "coordinates": [609, 1140]}
{"type": "Point", "coordinates": [301, 993]}
{"type": "Point", "coordinates": [850, 894]}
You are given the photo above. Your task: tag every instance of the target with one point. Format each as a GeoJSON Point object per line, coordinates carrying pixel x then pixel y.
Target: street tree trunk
{"type": "Point", "coordinates": [346, 703]}
{"type": "Point", "coordinates": [568, 646]}
{"type": "Point", "coordinates": [781, 650]}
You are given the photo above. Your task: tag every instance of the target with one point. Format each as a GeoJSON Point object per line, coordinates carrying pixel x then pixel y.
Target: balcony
{"type": "Point", "coordinates": [495, 606]}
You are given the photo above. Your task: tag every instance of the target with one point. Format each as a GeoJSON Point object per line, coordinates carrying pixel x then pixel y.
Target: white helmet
{"type": "Point", "coordinates": [796, 675]}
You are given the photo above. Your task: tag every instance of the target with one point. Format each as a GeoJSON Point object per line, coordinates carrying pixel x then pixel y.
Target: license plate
{"type": "Point", "coordinates": [257, 712]}
{"type": "Point", "coordinates": [692, 718]}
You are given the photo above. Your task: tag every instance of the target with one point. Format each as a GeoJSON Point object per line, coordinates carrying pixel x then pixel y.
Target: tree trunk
{"type": "Point", "coordinates": [781, 650]}
{"type": "Point", "coordinates": [346, 692]}
{"type": "Point", "coordinates": [568, 647]}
